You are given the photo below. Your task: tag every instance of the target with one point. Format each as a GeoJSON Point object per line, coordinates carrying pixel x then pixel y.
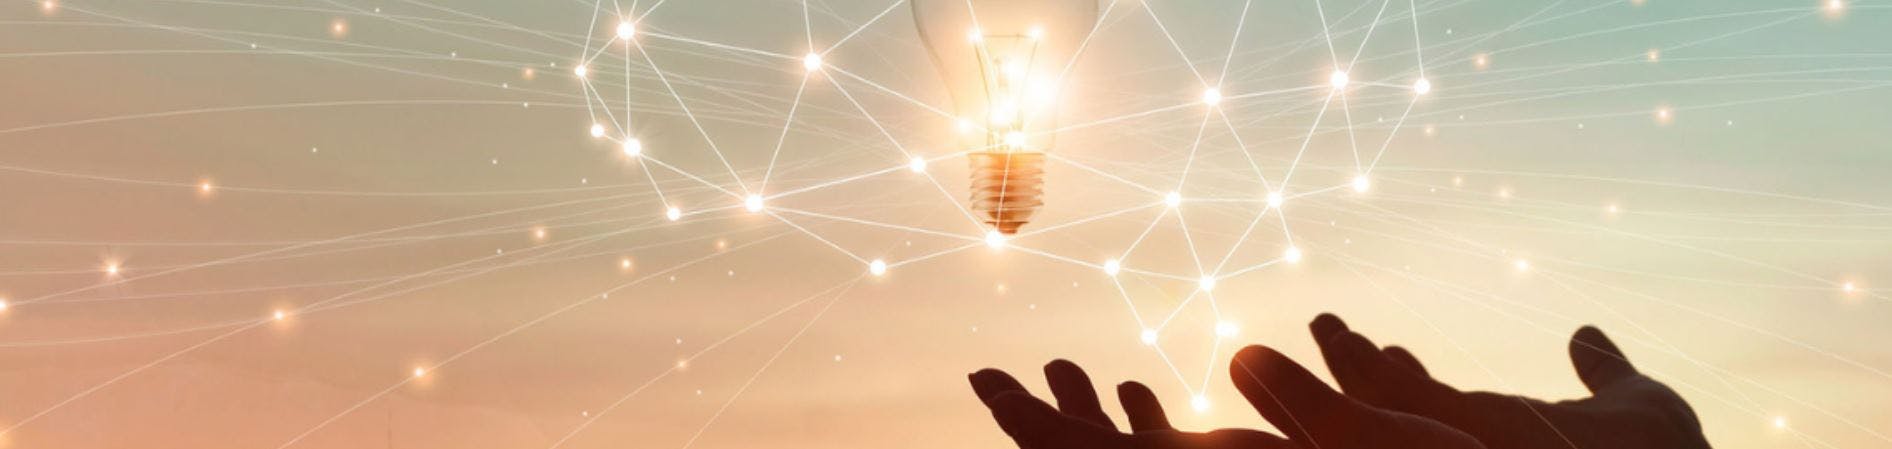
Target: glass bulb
{"type": "Point", "coordinates": [1002, 61]}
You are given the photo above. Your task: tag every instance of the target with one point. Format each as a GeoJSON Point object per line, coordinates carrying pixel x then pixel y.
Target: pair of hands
{"type": "Point", "coordinates": [1390, 401]}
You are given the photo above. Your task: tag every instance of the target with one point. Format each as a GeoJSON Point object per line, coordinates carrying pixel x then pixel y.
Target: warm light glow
{"type": "Point", "coordinates": [1664, 115]}
{"type": "Point", "coordinates": [1833, 8]}
{"type": "Point", "coordinates": [3, 304]}
{"type": "Point", "coordinates": [1036, 33]}
{"type": "Point", "coordinates": [626, 29]}
{"type": "Point", "coordinates": [1780, 422]}
{"type": "Point", "coordinates": [1361, 183]}
{"type": "Point", "coordinates": [1212, 96]}
{"type": "Point", "coordinates": [1225, 329]}
{"type": "Point", "coordinates": [1148, 337]}
{"type": "Point", "coordinates": [279, 315]}
{"type": "Point", "coordinates": [338, 28]}
{"type": "Point", "coordinates": [1654, 55]}
{"type": "Point", "coordinates": [1338, 79]}
{"type": "Point", "coordinates": [918, 164]}
{"type": "Point", "coordinates": [111, 268]}
{"type": "Point", "coordinates": [1275, 200]}
{"type": "Point", "coordinates": [581, 71]}
{"type": "Point", "coordinates": [1481, 61]}
{"type": "Point", "coordinates": [673, 213]}
{"type": "Point", "coordinates": [1422, 86]}
{"type": "Point", "coordinates": [753, 203]}
{"type": "Point", "coordinates": [205, 187]}
{"type": "Point", "coordinates": [418, 372]}
{"type": "Point", "coordinates": [1173, 199]}
{"type": "Point", "coordinates": [633, 147]}
{"type": "Point", "coordinates": [1849, 287]}
{"type": "Point", "coordinates": [1292, 255]}
{"type": "Point", "coordinates": [1200, 403]}
{"type": "Point", "coordinates": [877, 267]}
{"type": "Point", "coordinates": [812, 62]}
{"type": "Point", "coordinates": [994, 239]}
{"type": "Point", "coordinates": [625, 264]}
{"type": "Point", "coordinates": [1112, 267]}
{"type": "Point", "coordinates": [1207, 283]}
{"type": "Point", "coordinates": [1015, 139]}
{"type": "Point", "coordinates": [1521, 265]}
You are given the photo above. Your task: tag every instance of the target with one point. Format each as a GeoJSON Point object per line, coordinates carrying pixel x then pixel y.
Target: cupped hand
{"type": "Point", "coordinates": [1310, 414]}
{"type": "Point", "coordinates": [1627, 410]}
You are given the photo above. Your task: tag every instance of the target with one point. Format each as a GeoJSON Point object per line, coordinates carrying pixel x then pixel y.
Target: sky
{"type": "Point", "coordinates": [349, 224]}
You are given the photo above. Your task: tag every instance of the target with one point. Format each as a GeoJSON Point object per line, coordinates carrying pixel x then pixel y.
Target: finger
{"type": "Point", "coordinates": [1327, 330]}
{"type": "Point", "coordinates": [1142, 408]}
{"type": "Point", "coordinates": [1599, 363]}
{"type": "Point", "coordinates": [1033, 423]}
{"type": "Point", "coordinates": [989, 383]}
{"type": "Point", "coordinates": [1076, 396]}
{"type": "Point", "coordinates": [1299, 404]}
{"type": "Point", "coordinates": [1406, 360]}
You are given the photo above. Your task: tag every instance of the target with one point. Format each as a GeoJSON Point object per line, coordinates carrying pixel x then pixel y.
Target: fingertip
{"type": "Point", "coordinates": [1325, 326]}
{"type": "Point", "coordinates": [990, 383]}
{"type": "Point", "coordinates": [1061, 366]}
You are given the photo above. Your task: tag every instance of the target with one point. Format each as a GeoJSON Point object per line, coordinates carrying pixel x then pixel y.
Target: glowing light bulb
{"type": "Point", "coordinates": [1112, 267]}
{"type": "Point", "coordinates": [1207, 283]}
{"type": "Point", "coordinates": [1275, 200]}
{"type": "Point", "coordinates": [673, 213]}
{"type": "Point", "coordinates": [753, 203]}
{"type": "Point", "coordinates": [1338, 79]}
{"type": "Point", "coordinates": [1173, 199]}
{"type": "Point", "coordinates": [1292, 255]}
{"type": "Point", "coordinates": [812, 62]}
{"type": "Point", "coordinates": [1422, 86]}
{"type": "Point", "coordinates": [1005, 72]}
{"type": "Point", "coordinates": [1148, 336]}
{"type": "Point", "coordinates": [626, 29]}
{"type": "Point", "coordinates": [877, 267]}
{"type": "Point", "coordinates": [1212, 96]}
{"type": "Point", "coordinates": [633, 147]}
{"type": "Point", "coordinates": [1361, 183]}
{"type": "Point", "coordinates": [918, 164]}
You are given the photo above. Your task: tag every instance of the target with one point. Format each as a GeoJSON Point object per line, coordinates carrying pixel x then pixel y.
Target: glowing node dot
{"type": "Point", "coordinates": [1422, 86]}
{"type": "Point", "coordinates": [626, 29]}
{"type": "Point", "coordinates": [418, 372]}
{"type": "Point", "coordinates": [633, 147]}
{"type": "Point", "coordinates": [964, 126]}
{"type": "Point", "coordinates": [624, 264]}
{"type": "Point", "coordinates": [1664, 115]}
{"type": "Point", "coordinates": [994, 239]}
{"type": "Point", "coordinates": [1834, 7]}
{"type": "Point", "coordinates": [1225, 329]}
{"type": "Point", "coordinates": [918, 164]}
{"type": "Point", "coordinates": [1849, 287]}
{"type": "Point", "coordinates": [877, 267]}
{"type": "Point", "coordinates": [1780, 422]}
{"type": "Point", "coordinates": [205, 187]}
{"type": "Point", "coordinates": [1148, 337]}
{"type": "Point", "coordinates": [673, 213]}
{"type": "Point", "coordinates": [1481, 61]}
{"type": "Point", "coordinates": [1612, 209]}
{"type": "Point", "coordinates": [681, 364]}
{"type": "Point", "coordinates": [1361, 183]}
{"type": "Point", "coordinates": [1200, 403]}
{"type": "Point", "coordinates": [812, 62]}
{"type": "Point", "coordinates": [3, 304]}
{"type": "Point", "coordinates": [1036, 33]}
{"type": "Point", "coordinates": [1338, 79]}
{"type": "Point", "coordinates": [279, 315]}
{"type": "Point", "coordinates": [111, 269]}
{"type": "Point", "coordinates": [581, 71]}
{"type": "Point", "coordinates": [1521, 265]}
{"type": "Point", "coordinates": [1275, 200]}
{"type": "Point", "coordinates": [1292, 255]}
{"type": "Point", "coordinates": [1654, 55]}
{"type": "Point", "coordinates": [1212, 96]}
{"type": "Point", "coordinates": [1112, 267]}
{"type": "Point", "coordinates": [1207, 283]}
{"type": "Point", "coordinates": [597, 130]}
{"type": "Point", "coordinates": [1173, 199]}
{"type": "Point", "coordinates": [753, 203]}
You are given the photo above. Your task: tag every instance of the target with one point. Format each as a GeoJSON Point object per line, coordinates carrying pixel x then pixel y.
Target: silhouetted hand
{"type": "Point", "coordinates": [1312, 415]}
{"type": "Point", "coordinates": [1626, 411]}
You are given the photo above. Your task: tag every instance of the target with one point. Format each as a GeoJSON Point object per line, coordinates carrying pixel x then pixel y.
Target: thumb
{"type": "Point", "coordinates": [1298, 404]}
{"type": "Point", "coordinates": [1598, 362]}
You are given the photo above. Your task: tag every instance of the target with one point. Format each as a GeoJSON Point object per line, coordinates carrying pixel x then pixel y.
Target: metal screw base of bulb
{"type": "Point", "coordinates": [1007, 188]}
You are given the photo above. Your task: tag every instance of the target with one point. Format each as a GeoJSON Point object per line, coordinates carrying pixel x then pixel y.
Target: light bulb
{"type": "Point", "coordinates": [1002, 60]}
